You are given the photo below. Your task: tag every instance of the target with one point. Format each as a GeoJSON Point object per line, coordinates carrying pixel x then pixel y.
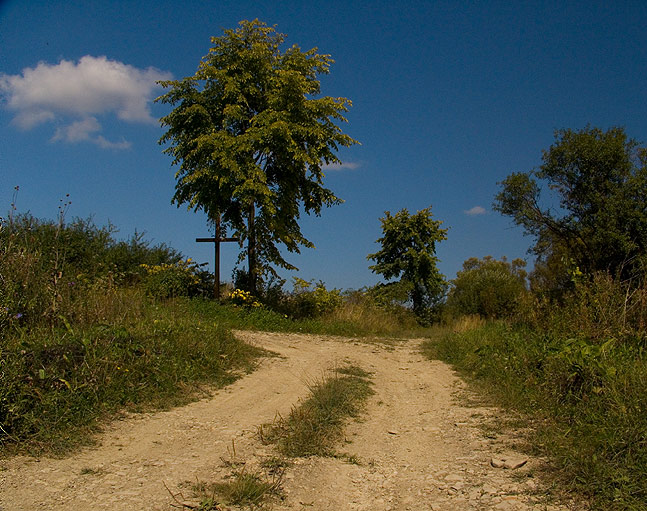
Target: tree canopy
{"type": "Point", "coordinates": [251, 136]}
{"type": "Point", "coordinates": [409, 253]}
{"type": "Point", "coordinates": [600, 178]}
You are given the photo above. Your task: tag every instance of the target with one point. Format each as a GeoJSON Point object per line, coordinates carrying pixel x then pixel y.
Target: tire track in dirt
{"type": "Point", "coordinates": [418, 447]}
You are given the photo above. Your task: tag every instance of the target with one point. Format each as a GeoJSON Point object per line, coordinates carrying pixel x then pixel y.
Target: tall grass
{"type": "Point", "coordinates": [81, 340]}
{"type": "Point", "coordinates": [349, 319]}
{"type": "Point", "coordinates": [58, 384]}
{"type": "Point", "coordinates": [581, 371]}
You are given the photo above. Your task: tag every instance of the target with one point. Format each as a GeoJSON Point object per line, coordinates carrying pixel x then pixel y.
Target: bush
{"type": "Point", "coordinates": [47, 267]}
{"type": "Point", "coordinates": [306, 302]}
{"type": "Point", "coordinates": [173, 280]}
{"type": "Point", "coordinates": [488, 288]}
{"type": "Point", "coordinates": [244, 299]}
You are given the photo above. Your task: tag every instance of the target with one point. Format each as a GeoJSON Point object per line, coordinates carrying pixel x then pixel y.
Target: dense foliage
{"type": "Point", "coordinates": [600, 179]}
{"type": "Point", "coordinates": [251, 137]}
{"type": "Point", "coordinates": [488, 288]}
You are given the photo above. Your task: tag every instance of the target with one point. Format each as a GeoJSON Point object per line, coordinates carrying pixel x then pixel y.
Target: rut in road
{"type": "Point", "coordinates": [418, 447]}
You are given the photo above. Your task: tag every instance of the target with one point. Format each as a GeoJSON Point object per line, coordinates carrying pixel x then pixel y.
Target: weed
{"type": "Point", "coordinates": [243, 489]}
{"type": "Point", "coordinates": [275, 464]}
{"type": "Point", "coordinates": [352, 459]}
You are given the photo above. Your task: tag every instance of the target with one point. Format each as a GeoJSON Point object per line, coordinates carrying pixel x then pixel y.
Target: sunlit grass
{"type": "Point", "coordinates": [316, 424]}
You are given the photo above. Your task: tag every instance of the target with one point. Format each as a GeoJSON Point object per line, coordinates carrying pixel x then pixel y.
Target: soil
{"type": "Point", "coordinates": [420, 444]}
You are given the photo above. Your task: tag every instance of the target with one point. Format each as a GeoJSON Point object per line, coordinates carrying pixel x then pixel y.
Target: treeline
{"type": "Point", "coordinates": [567, 343]}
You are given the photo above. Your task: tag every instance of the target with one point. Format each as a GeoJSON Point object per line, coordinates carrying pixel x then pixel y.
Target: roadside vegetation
{"type": "Point", "coordinates": [89, 331]}
{"type": "Point", "coordinates": [567, 345]}
{"type": "Point", "coordinates": [579, 371]}
{"type": "Point", "coordinates": [92, 327]}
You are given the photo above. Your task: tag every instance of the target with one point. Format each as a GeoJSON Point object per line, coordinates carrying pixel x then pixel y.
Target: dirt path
{"type": "Point", "coordinates": [418, 447]}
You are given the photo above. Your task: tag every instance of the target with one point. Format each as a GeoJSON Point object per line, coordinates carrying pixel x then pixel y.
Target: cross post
{"type": "Point", "coordinates": [216, 241]}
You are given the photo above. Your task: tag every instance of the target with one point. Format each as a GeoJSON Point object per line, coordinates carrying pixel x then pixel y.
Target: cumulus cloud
{"type": "Point", "coordinates": [341, 166]}
{"type": "Point", "coordinates": [476, 210]}
{"type": "Point", "coordinates": [84, 131]}
{"type": "Point", "coordinates": [80, 91]}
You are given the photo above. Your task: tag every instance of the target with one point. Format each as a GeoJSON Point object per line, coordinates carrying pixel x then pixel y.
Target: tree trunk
{"type": "Point", "coordinates": [251, 251]}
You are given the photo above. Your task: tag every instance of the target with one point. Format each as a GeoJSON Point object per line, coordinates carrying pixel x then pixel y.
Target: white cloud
{"type": "Point", "coordinates": [83, 90]}
{"type": "Point", "coordinates": [83, 131]}
{"type": "Point", "coordinates": [341, 166]}
{"type": "Point", "coordinates": [476, 210]}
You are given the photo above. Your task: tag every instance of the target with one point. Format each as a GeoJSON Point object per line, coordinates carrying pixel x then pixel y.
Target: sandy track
{"type": "Point", "coordinates": [419, 449]}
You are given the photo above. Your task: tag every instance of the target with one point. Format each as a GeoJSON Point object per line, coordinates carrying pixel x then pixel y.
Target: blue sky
{"type": "Point", "coordinates": [448, 99]}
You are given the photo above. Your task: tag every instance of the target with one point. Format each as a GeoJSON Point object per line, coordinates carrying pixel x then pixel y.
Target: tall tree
{"type": "Point", "coordinates": [409, 253]}
{"type": "Point", "coordinates": [600, 179]}
{"type": "Point", "coordinates": [250, 136]}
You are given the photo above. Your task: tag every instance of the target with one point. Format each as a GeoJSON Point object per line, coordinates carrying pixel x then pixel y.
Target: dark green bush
{"type": "Point", "coordinates": [488, 288]}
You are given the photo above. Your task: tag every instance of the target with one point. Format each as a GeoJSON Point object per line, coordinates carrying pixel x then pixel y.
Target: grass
{"type": "Point", "coordinates": [243, 489]}
{"type": "Point", "coordinates": [60, 384]}
{"type": "Point", "coordinates": [347, 321]}
{"type": "Point", "coordinates": [585, 398]}
{"type": "Point", "coordinates": [91, 327]}
{"type": "Point", "coordinates": [123, 351]}
{"type": "Point", "coordinates": [314, 426]}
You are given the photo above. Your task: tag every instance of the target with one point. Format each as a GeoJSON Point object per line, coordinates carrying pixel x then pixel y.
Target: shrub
{"type": "Point", "coordinates": [487, 287]}
{"type": "Point", "coordinates": [306, 302]}
{"type": "Point", "coordinates": [46, 267]}
{"type": "Point", "coordinates": [171, 280]}
{"type": "Point", "coordinates": [244, 299]}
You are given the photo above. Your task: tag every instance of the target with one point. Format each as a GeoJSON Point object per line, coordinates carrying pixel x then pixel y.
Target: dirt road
{"type": "Point", "coordinates": [417, 446]}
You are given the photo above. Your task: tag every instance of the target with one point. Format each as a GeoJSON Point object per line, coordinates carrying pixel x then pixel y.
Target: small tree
{"type": "Point", "coordinates": [600, 179]}
{"type": "Point", "coordinates": [250, 138]}
{"type": "Point", "coordinates": [487, 287]}
{"type": "Point", "coordinates": [409, 253]}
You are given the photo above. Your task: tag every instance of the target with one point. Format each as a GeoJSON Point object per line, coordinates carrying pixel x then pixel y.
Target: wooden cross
{"type": "Point", "coordinates": [216, 241]}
